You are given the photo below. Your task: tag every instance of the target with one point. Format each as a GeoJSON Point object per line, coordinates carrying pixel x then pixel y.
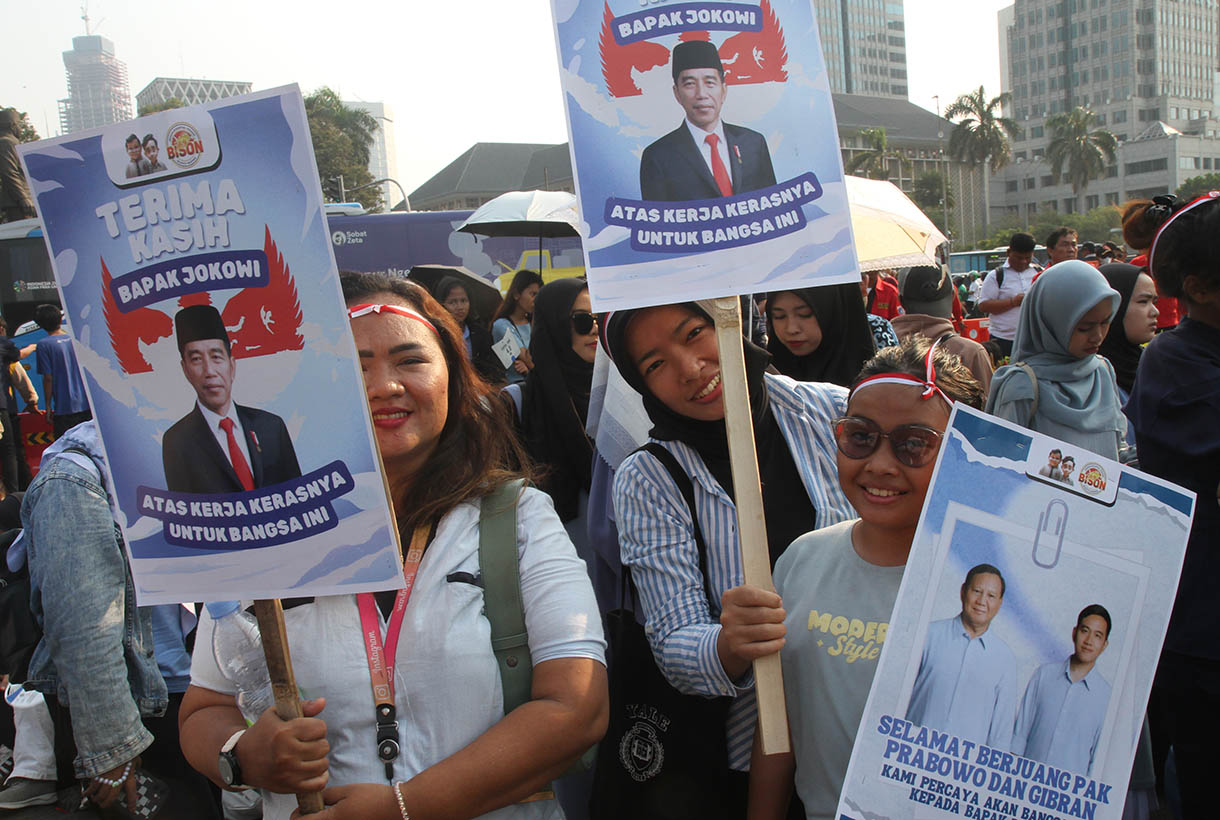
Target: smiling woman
{"type": "Point", "coordinates": [669, 355]}
{"type": "Point", "coordinates": [439, 743]}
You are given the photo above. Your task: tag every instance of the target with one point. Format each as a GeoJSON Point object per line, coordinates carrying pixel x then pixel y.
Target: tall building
{"type": "Point", "coordinates": [1146, 68]}
{"type": "Point", "coordinates": [1007, 17]}
{"type": "Point", "coordinates": [98, 93]}
{"type": "Point", "coordinates": [865, 47]}
{"type": "Point", "coordinates": [190, 91]}
{"type": "Point", "coordinates": [383, 153]}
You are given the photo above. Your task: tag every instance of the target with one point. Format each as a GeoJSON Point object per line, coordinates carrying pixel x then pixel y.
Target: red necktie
{"type": "Point", "coordinates": [235, 456]}
{"type": "Point", "coordinates": [718, 170]}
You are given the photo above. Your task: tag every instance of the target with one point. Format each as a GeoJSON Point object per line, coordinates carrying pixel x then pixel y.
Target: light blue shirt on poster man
{"type": "Point", "coordinates": [966, 686]}
{"type": "Point", "coordinates": [1060, 719]}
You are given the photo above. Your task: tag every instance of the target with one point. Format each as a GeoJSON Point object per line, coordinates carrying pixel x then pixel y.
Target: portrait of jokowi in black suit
{"type": "Point", "coordinates": [220, 446]}
{"type": "Point", "coordinates": [704, 157]}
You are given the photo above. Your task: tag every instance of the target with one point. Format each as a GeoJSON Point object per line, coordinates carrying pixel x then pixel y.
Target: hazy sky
{"type": "Point", "coordinates": [455, 72]}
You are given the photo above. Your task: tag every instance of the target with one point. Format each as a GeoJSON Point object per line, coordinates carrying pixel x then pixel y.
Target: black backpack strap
{"type": "Point", "coordinates": [684, 485]}
{"type": "Point", "coordinates": [999, 276]}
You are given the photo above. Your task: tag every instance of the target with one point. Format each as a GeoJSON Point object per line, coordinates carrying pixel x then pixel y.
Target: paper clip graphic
{"type": "Point", "coordinates": [1052, 525]}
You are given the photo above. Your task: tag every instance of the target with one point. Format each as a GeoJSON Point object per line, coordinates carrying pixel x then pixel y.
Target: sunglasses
{"type": "Point", "coordinates": [912, 444]}
{"type": "Point", "coordinates": [583, 322]}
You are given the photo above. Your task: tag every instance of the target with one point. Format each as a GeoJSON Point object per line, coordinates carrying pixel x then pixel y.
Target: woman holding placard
{"type": "Point", "coordinates": [513, 316]}
{"type": "Point", "coordinates": [440, 744]}
{"type": "Point", "coordinates": [670, 356]}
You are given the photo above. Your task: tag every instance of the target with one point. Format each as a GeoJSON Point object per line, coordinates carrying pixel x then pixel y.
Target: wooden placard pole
{"type": "Point", "coordinates": [270, 617]}
{"type": "Point", "coordinates": [751, 526]}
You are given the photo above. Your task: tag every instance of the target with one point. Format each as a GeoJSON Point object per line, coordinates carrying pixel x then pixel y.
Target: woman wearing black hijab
{"type": "Point", "coordinates": [554, 400]}
{"type": "Point", "coordinates": [1134, 322]}
{"type": "Point", "coordinates": [454, 295]}
{"type": "Point", "coordinates": [819, 334]}
{"type": "Point", "coordinates": [669, 355]}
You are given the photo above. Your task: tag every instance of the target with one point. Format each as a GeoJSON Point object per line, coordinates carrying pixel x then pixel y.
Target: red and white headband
{"type": "Point", "coordinates": [928, 383]}
{"type": "Point", "coordinates": [355, 311]}
{"type": "Point", "coordinates": [1208, 197]}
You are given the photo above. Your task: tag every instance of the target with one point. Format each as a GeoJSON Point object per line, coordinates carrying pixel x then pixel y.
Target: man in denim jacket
{"type": "Point", "coordinates": [95, 662]}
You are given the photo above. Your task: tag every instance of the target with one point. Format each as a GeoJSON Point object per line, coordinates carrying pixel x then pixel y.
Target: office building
{"type": "Point", "coordinates": [864, 43]}
{"type": "Point", "coordinates": [383, 153]}
{"type": "Point", "coordinates": [98, 93]}
{"type": "Point", "coordinates": [191, 91]}
{"type": "Point", "coordinates": [1148, 71]}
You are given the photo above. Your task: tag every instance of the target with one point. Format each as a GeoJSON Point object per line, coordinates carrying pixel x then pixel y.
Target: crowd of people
{"type": "Point", "coordinates": [851, 388]}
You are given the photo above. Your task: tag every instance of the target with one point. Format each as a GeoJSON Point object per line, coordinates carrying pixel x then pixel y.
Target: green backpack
{"type": "Point", "coordinates": [502, 604]}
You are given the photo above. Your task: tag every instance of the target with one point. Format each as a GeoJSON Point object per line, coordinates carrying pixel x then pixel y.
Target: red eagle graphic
{"type": "Point", "coordinates": [265, 320]}
{"type": "Point", "coordinates": [618, 61]}
{"type": "Point", "coordinates": [260, 321]}
{"type": "Point", "coordinates": [749, 57]}
{"type": "Point", "coordinates": [756, 56]}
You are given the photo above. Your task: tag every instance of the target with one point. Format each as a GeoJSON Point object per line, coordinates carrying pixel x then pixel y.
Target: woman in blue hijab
{"type": "Point", "coordinates": [1058, 385]}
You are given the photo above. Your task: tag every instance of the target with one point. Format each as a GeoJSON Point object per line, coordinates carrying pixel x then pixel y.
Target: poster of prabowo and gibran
{"type": "Point", "coordinates": [704, 149]}
{"type": "Point", "coordinates": [1020, 654]}
{"type": "Point", "coordinates": [194, 265]}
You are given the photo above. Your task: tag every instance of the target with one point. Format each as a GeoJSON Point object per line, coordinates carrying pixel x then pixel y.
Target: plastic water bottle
{"type": "Point", "coordinates": [238, 650]}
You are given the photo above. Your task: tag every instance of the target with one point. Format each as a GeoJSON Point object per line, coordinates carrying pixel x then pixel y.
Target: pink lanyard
{"type": "Point", "coordinates": [381, 656]}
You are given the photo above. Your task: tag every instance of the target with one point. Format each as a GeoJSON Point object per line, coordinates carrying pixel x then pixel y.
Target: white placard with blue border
{"type": "Point", "coordinates": [1041, 718]}
{"type": "Point", "coordinates": [668, 216]}
{"type": "Point", "coordinates": [195, 268]}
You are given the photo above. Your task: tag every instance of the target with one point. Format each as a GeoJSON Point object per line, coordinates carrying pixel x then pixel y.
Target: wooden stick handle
{"type": "Point", "coordinates": [751, 525]}
{"type": "Point", "coordinates": [283, 682]}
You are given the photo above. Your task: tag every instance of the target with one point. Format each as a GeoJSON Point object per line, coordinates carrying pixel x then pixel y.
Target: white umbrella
{"type": "Point", "coordinates": [890, 230]}
{"type": "Point", "coordinates": [526, 213]}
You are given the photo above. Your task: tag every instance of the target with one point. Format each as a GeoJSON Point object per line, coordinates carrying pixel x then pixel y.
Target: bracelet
{"type": "Point", "coordinates": [118, 781]}
{"type": "Point", "coordinates": [402, 807]}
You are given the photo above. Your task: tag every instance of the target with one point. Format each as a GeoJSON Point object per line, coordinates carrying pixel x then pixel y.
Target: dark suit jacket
{"type": "Point", "coordinates": [672, 169]}
{"type": "Point", "coordinates": [194, 462]}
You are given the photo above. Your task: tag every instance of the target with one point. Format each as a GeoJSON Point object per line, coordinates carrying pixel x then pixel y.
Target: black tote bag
{"type": "Point", "coordinates": [664, 756]}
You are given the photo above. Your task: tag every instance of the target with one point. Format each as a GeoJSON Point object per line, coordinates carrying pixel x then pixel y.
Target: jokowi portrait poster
{"type": "Point", "coordinates": [195, 270]}
{"type": "Point", "coordinates": [704, 149]}
{"type": "Point", "coordinates": [1017, 664]}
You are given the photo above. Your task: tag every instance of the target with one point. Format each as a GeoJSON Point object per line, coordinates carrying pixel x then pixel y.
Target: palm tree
{"type": "Point", "coordinates": [1084, 150]}
{"type": "Point", "coordinates": [875, 159]}
{"type": "Point", "coordinates": [981, 134]}
{"type": "Point", "coordinates": [359, 126]}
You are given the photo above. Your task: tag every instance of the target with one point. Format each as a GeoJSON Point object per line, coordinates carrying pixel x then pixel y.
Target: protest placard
{"type": "Point", "coordinates": [1020, 654]}
{"type": "Point", "coordinates": [194, 263]}
{"type": "Point", "coordinates": [670, 217]}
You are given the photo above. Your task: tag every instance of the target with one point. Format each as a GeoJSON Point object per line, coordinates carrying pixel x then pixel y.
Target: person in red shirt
{"type": "Point", "coordinates": [881, 296]}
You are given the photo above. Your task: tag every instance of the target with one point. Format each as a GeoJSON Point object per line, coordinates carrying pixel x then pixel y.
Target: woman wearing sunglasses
{"type": "Point", "coordinates": [669, 355]}
{"type": "Point", "coordinates": [428, 736]}
{"type": "Point", "coordinates": [848, 574]}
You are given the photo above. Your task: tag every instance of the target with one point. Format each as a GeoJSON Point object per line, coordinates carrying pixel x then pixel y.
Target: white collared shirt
{"type": "Point", "coordinates": [705, 150]}
{"type": "Point", "coordinates": [222, 437]}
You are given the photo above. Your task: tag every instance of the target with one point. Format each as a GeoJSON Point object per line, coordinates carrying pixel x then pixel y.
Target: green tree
{"type": "Point", "coordinates": [25, 131]}
{"type": "Point", "coordinates": [172, 102]}
{"type": "Point", "coordinates": [934, 197]}
{"type": "Point", "coordinates": [1197, 186]}
{"type": "Point", "coordinates": [981, 133]}
{"type": "Point", "coordinates": [342, 137]}
{"type": "Point", "coordinates": [1077, 150]}
{"type": "Point", "coordinates": [874, 160]}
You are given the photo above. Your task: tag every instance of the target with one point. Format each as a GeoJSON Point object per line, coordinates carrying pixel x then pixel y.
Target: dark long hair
{"type": "Point", "coordinates": [521, 281]}
{"type": "Point", "coordinates": [478, 449]}
{"type": "Point", "coordinates": [1190, 246]}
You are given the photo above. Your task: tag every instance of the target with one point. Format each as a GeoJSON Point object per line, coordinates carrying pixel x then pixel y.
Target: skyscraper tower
{"type": "Point", "coordinates": [98, 93]}
{"type": "Point", "coordinates": [864, 44]}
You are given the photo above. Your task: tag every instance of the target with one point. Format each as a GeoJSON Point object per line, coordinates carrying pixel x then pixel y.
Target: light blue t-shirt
{"type": "Point", "coordinates": [55, 356]}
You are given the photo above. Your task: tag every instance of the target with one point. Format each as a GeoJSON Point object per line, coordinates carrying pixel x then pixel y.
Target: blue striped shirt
{"type": "Point", "coordinates": [656, 538]}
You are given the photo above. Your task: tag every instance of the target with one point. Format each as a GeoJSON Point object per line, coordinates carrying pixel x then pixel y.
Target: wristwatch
{"type": "Point", "coordinates": [230, 768]}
